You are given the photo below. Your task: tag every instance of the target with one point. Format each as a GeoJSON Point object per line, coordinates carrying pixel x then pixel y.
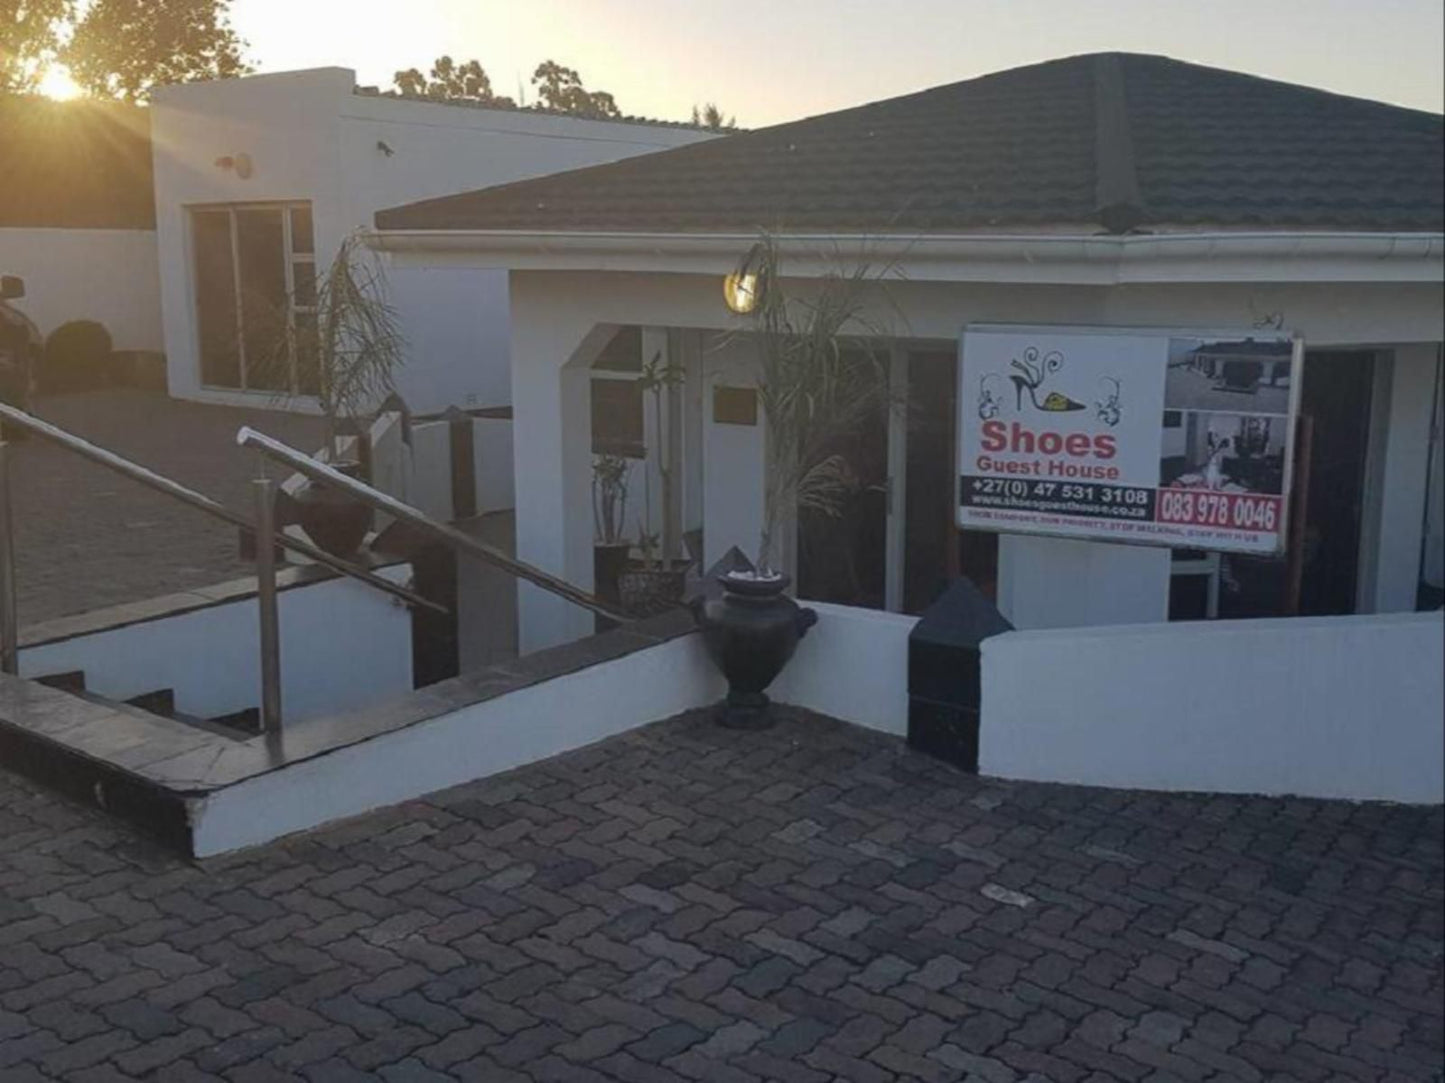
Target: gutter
{"type": "Point", "coordinates": [1101, 259]}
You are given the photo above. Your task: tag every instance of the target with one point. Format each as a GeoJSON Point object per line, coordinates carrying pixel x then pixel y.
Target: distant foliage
{"type": "Point", "coordinates": [561, 89]}
{"type": "Point", "coordinates": [124, 48]}
{"type": "Point", "coordinates": [30, 32]}
{"type": "Point", "coordinates": [711, 117]}
{"type": "Point", "coordinates": [557, 89]}
{"type": "Point", "coordinates": [77, 357]}
{"type": "Point", "coordinates": [449, 81]}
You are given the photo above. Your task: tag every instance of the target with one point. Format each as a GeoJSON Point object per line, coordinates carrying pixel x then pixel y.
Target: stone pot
{"type": "Point", "coordinates": [609, 561]}
{"type": "Point", "coordinates": [751, 630]}
{"type": "Point", "coordinates": [332, 519]}
{"type": "Point", "coordinates": [646, 592]}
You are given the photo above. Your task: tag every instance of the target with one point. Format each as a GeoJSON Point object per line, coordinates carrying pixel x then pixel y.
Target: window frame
{"type": "Point", "coordinates": [290, 259]}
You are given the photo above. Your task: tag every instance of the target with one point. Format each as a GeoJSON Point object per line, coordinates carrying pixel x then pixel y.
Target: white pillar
{"type": "Point", "coordinates": [552, 349]}
{"type": "Point", "coordinates": [1395, 561]}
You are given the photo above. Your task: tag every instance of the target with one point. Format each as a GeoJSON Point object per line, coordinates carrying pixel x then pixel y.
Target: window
{"type": "Point", "coordinates": [617, 425]}
{"type": "Point", "coordinates": [255, 282]}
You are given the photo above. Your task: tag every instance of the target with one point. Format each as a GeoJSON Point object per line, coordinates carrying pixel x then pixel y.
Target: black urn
{"type": "Point", "coordinates": [334, 520]}
{"type": "Point", "coordinates": [751, 630]}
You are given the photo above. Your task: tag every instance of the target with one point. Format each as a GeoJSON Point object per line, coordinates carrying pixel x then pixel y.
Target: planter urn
{"type": "Point", "coordinates": [335, 521]}
{"type": "Point", "coordinates": [751, 630]}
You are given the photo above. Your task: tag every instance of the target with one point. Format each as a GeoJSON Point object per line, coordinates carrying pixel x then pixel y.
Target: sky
{"type": "Point", "coordinates": [773, 60]}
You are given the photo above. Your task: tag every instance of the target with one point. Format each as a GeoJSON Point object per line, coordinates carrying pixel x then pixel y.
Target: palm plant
{"type": "Point", "coordinates": [820, 375]}
{"type": "Point", "coordinates": [350, 356]}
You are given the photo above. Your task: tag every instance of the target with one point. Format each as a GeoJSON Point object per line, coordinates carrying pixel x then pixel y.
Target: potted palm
{"type": "Point", "coordinates": [348, 359]}
{"type": "Point", "coordinates": [657, 581]}
{"type": "Point", "coordinates": [610, 549]}
{"type": "Point", "coordinates": [817, 378]}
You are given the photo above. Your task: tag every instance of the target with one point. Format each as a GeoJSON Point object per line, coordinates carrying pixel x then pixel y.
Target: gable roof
{"type": "Point", "coordinates": [1115, 141]}
{"type": "Point", "coordinates": [75, 165]}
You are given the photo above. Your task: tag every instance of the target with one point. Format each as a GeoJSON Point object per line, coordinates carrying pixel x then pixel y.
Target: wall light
{"type": "Point", "coordinates": [743, 287]}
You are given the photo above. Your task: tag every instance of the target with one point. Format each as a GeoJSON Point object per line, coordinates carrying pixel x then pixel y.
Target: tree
{"type": "Point", "coordinates": [450, 82]}
{"type": "Point", "coordinates": [124, 48]}
{"type": "Point", "coordinates": [560, 89]}
{"type": "Point", "coordinates": [29, 36]}
{"type": "Point", "coordinates": [713, 119]}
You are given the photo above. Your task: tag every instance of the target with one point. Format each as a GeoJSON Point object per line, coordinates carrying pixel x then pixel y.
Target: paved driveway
{"type": "Point", "coordinates": [87, 538]}
{"type": "Point", "coordinates": [812, 904]}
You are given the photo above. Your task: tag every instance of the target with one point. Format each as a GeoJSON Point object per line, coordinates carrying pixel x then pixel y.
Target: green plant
{"type": "Point", "coordinates": [350, 357]}
{"type": "Point", "coordinates": [821, 373]}
{"type": "Point", "coordinates": [657, 377]}
{"type": "Point", "coordinates": [609, 498]}
{"type": "Point", "coordinates": [77, 356]}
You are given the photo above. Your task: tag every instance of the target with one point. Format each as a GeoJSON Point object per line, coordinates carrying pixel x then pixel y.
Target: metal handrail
{"type": "Point", "coordinates": [319, 472]}
{"type": "Point", "coordinates": [174, 489]}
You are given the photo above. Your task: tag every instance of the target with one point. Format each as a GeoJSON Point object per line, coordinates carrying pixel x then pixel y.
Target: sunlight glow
{"type": "Point", "coordinates": [58, 84]}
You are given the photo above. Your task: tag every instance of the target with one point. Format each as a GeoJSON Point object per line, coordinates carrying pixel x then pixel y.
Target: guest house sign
{"type": "Point", "coordinates": [1127, 435]}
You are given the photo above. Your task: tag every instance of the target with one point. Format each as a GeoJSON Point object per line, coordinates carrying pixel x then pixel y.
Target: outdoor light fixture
{"type": "Point", "coordinates": [743, 287]}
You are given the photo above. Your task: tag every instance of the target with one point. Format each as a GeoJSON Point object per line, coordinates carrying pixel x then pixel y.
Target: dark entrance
{"type": "Point", "coordinates": [842, 558]}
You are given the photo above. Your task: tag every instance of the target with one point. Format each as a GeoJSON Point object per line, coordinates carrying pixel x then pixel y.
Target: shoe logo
{"type": "Point", "coordinates": [1033, 371]}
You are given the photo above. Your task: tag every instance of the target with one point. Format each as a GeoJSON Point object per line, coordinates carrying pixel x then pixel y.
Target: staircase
{"type": "Point", "coordinates": [161, 703]}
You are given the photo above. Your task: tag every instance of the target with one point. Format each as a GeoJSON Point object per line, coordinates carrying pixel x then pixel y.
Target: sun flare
{"type": "Point", "coordinates": [57, 83]}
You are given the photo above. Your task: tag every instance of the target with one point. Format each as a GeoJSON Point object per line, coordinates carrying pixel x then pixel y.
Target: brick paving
{"type": "Point", "coordinates": [87, 538]}
{"type": "Point", "coordinates": [682, 903]}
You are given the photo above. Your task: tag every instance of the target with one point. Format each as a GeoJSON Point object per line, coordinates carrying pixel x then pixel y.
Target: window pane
{"type": "Point", "coordinates": [617, 418]}
{"type": "Point", "coordinates": [308, 378]}
{"type": "Point", "coordinates": [301, 240]}
{"type": "Point", "coordinates": [215, 299]}
{"type": "Point", "coordinates": [261, 247]}
{"type": "Point", "coordinates": [303, 278]}
{"type": "Point", "coordinates": [623, 353]}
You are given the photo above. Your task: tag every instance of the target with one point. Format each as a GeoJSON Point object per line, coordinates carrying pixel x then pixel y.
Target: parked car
{"type": "Point", "coordinates": [21, 345]}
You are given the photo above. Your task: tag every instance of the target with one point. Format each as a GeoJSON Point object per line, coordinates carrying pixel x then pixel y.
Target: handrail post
{"type": "Point", "coordinates": [270, 623]}
{"type": "Point", "coordinates": [9, 622]}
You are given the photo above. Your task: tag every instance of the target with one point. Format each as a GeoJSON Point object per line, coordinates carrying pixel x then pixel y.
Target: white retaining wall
{"type": "Point", "coordinates": [853, 665]}
{"type": "Point", "coordinates": [511, 730]}
{"type": "Point", "coordinates": [109, 275]}
{"type": "Point", "coordinates": [343, 645]}
{"type": "Point", "coordinates": [1339, 707]}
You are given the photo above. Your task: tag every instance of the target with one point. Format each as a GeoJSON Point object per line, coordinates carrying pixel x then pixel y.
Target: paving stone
{"type": "Point", "coordinates": [637, 911]}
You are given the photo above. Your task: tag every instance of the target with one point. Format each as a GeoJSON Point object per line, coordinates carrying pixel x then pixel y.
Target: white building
{"type": "Point", "coordinates": [1106, 191]}
{"type": "Point", "coordinates": [258, 180]}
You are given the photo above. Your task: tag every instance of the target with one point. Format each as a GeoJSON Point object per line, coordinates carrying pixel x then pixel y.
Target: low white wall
{"type": "Point", "coordinates": [474, 742]}
{"type": "Point", "coordinates": [1341, 707]}
{"type": "Point", "coordinates": [852, 665]}
{"type": "Point", "coordinates": [492, 453]}
{"type": "Point", "coordinates": [343, 645]}
{"type": "Point", "coordinates": [109, 275]}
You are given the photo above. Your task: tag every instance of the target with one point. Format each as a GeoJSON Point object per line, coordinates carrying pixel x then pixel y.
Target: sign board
{"type": "Point", "coordinates": [1175, 438]}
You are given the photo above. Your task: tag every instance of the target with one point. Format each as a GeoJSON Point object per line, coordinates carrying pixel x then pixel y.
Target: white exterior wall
{"type": "Point", "coordinates": [310, 137]}
{"type": "Point", "coordinates": [555, 315]}
{"type": "Point", "coordinates": [109, 275]}
{"type": "Point", "coordinates": [474, 742]}
{"type": "Point", "coordinates": [852, 665]}
{"type": "Point", "coordinates": [344, 645]}
{"type": "Point", "coordinates": [1341, 707]}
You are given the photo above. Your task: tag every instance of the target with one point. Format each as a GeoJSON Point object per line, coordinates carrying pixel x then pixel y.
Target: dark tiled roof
{"type": "Point", "coordinates": [1114, 140]}
{"type": "Point", "coordinates": [75, 165]}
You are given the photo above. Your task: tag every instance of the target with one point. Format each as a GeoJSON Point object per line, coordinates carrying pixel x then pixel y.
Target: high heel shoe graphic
{"type": "Point", "coordinates": [1034, 374]}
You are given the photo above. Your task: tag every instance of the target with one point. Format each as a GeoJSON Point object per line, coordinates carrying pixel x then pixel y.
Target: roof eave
{"type": "Point", "coordinates": [1064, 258]}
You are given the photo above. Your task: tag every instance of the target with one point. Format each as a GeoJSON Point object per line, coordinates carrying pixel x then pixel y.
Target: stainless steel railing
{"type": "Point", "coordinates": [319, 472]}
{"type": "Point", "coordinates": [263, 528]}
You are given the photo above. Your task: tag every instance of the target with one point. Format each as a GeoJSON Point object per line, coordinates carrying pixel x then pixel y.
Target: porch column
{"type": "Point", "coordinates": [552, 349]}
{"type": "Point", "coordinates": [1390, 573]}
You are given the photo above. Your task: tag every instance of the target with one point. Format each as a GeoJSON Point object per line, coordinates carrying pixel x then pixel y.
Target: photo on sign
{"type": "Point", "coordinates": [1247, 375]}
{"type": "Point", "coordinates": [1229, 453]}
